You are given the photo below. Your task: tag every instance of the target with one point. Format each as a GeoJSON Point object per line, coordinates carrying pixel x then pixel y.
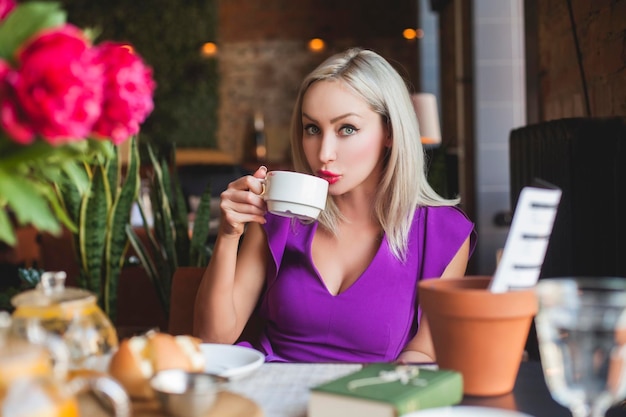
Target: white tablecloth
{"type": "Point", "coordinates": [282, 389]}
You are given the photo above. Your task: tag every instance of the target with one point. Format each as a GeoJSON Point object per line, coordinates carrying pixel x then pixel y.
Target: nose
{"type": "Point", "coordinates": [328, 149]}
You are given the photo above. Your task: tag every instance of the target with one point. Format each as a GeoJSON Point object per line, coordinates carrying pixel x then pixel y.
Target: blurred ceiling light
{"type": "Point", "coordinates": [317, 45]}
{"type": "Point", "coordinates": [409, 33]}
{"type": "Point", "coordinates": [209, 49]}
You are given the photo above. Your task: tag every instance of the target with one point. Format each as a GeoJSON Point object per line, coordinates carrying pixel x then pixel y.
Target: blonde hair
{"type": "Point", "coordinates": [403, 185]}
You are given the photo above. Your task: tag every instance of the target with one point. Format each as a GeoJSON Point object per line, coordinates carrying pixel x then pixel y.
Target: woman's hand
{"type": "Point", "coordinates": [412, 356]}
{"type": "Point", "coordinates": [242, 203]}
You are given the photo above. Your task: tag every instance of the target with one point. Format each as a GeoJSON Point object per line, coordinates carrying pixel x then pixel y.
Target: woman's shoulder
{"type": "Point", "coordinates": [445, 214]}
{"type": "Point", "coordinates": [446, 223]}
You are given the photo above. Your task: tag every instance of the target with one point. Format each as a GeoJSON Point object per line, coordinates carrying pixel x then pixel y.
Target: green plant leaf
{"type": "Point", "coordinates": [24, 197]}
{"type": "Point", "coordinates": [198, 250]}
{"type": "Point", "coordinates": [92, 230]}
{"type": "Point", "coordinates": [117, 240]}
{"type": "Point", "coordinates": [26, 20]}
{"type": "Point", "coordinates": [148, 265]}
{"type": "Point", "coordinates": [162, 213]}
{"type": "Point", "coordinates": [180, 219]}
{"type": "Point", "coordinates": [101, 150]}
{"type": "Point", "coordinates": [14, 155]}
{"type": "Point", "coordinates": [72, 195]}
{"type": "Point", "coordinates": [7, 235]}
{"type": "Point", "coordinates": [72, 198]}
{"type": "Point", "coordinates": [154, 246]}
{"type": "Point", "coordinates": [54, 201]}
{"type": "Point", "coordinates": [114, 175]}
{"type": "Point", "coordinates": [168, 229]}
{"type": "Point", "coordinates": [153, 260]}
{"type": "Point", "coordinates": [77, 176]}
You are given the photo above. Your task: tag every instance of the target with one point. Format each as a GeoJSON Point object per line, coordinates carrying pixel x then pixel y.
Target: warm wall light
{"type": "Point", "coordinates": [425, 105]}
{"type": "Point", "coordinates": [409, 34]}
{"type": "Point", "coordinates": [209, 49]}
{"type": "Point", "coordinates": [317, 45]}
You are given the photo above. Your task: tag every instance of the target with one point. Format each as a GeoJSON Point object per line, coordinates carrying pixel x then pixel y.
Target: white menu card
{"type": "Point", "coordinates": [528, 239]}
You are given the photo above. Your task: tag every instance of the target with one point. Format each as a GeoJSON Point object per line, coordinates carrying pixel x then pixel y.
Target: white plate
{"type": "Point", "coordinates": [231, 361]}
{"type": "Point", "coordinates": [466, 411]}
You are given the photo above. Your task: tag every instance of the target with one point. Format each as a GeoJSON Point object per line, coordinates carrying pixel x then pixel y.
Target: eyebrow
{"type": "Point", "coordinates": [331, 120]}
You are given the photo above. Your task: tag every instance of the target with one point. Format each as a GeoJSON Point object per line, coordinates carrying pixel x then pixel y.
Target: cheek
{"type": "Point", "coordinates": [368, 151]}
{"type": "Point", "coordinates": [311, 151]}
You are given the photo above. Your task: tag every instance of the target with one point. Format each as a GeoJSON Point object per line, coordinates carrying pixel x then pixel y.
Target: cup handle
{"type": "Point", "coordinates": [263, 187]}
{"type": "Point", "coordinates": [108, 391]}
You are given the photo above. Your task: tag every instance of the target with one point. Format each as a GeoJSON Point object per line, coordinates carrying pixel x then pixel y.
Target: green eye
{"type": "Point", "coordinates": [311, 129]}
{"type": "Point", "coordinates": [349, 130]}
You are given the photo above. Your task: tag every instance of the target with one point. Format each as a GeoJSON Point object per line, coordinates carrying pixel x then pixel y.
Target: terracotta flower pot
{"type": "Point", "coordinates": [476, 332]}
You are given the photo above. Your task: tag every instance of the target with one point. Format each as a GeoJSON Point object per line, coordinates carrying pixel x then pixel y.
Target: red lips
{"type": "Point", "coordinates": [328, 176]}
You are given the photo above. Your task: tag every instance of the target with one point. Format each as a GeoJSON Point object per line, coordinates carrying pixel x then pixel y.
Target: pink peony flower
{"type": "Point", "coordinates": [128, 88]}
{"type": "Point", "coordinates": [5, 75]}
{"type": "Point", "coordinates": [6, 7]}
{"type": "Point", "coordinates": [8, 119]}
{"type": "Point", "coordinates": [56, 91]}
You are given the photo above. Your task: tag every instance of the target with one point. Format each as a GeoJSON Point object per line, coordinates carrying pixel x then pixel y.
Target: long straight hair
{"type": "Point", "coordinates": [403, 185]}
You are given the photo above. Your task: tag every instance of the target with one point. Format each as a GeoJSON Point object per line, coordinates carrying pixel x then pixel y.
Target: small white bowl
{"type": "Point", "coordinates": [185, 394]}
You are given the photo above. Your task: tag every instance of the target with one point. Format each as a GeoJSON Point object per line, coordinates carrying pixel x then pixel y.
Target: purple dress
{"type": "Point", "coordinates": [372, 320]}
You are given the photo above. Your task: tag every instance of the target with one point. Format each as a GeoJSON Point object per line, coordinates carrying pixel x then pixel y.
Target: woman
{"type": "Point", "coordinates": [343, 288]}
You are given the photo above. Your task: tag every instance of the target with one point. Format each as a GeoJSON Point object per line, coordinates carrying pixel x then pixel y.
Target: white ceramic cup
{"type": "Point", "coordinates": [293, 194]}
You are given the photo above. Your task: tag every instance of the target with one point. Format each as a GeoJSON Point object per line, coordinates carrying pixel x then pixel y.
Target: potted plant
{"type": "Point", "coordinates": [170, 242]}
{"type": "Point", "coordinates": [101, 215]}
{"type": "Point", "coordinates": [67, 104]}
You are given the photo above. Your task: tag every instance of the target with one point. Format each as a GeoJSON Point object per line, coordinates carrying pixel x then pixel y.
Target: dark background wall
{"type": "Point", "coordinates": [600, 28]}
{"type": "Point", "coordinates": [168, 36]}
{"type": "Point", "coordinates": [263, 57]}
{"type": "Point", "coordinates": [554, 84]}
{"type": "Point", "coordinates": [210, 102]}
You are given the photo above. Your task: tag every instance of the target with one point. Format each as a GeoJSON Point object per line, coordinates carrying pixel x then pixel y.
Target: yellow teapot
{"type": "Point", "coordinates": [34, 379]}
{"type": "Point", "coordinates": [71, 313]}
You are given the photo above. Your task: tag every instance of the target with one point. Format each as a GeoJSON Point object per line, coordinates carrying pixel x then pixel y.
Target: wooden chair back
{"type": "Point", "coordinates": [185, 283]}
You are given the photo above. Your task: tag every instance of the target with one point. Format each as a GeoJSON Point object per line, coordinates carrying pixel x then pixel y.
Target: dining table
{"type": "Point", "coordinates": [282, 390]}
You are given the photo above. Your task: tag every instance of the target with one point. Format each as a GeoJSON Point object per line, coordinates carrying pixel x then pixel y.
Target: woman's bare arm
{"type": "Point", "coordinates": [233, 280]}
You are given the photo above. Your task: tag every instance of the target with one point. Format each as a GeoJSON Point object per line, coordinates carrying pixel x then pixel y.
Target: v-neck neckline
{"type": "Point", "coordinates": [362, 275]}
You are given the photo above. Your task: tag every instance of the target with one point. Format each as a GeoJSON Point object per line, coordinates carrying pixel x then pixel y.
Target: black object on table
{"type": "Point", "coordinates": [531, 396]}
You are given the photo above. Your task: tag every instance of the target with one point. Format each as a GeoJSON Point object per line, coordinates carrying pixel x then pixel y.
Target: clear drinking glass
{"type": "Point", "coordinates": [581, 330]}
